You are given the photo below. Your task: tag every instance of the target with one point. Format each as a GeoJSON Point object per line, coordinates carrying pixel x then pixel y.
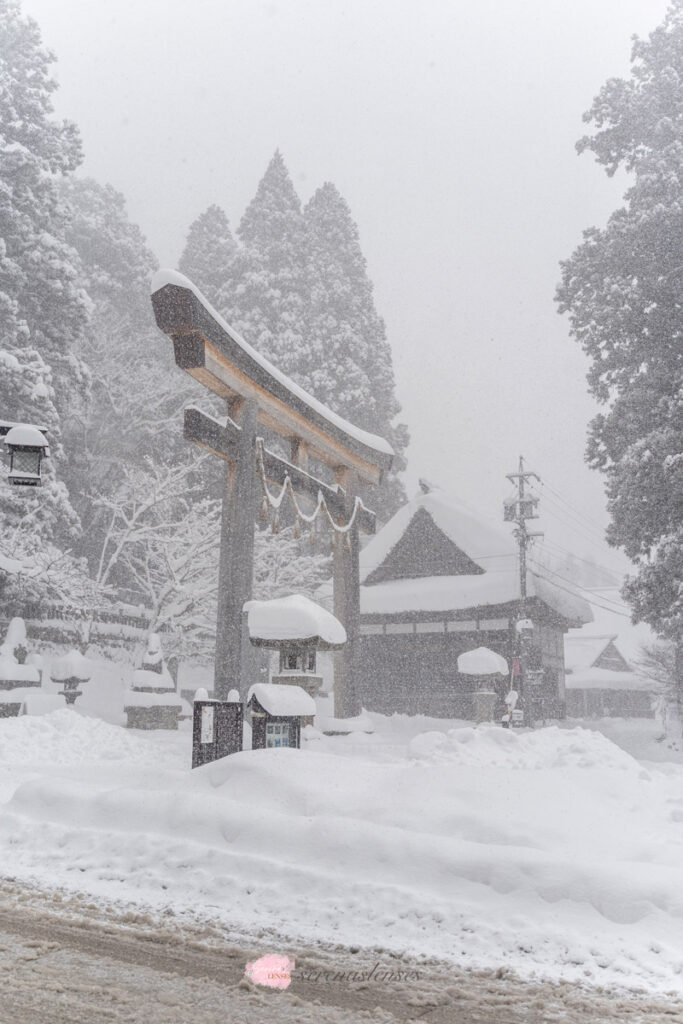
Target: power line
{"type": "Point", "coordinates": [591, 590]}
{"type": "Point", "coordinates": [591, 532]}
{"type": "Point", "coordinates": [593, 564]}
{"type": "Point", "coordinates": [574, 593]}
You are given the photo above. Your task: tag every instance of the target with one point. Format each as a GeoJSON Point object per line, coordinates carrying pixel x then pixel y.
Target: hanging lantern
{"type": "Point", "coordinates": [27, 448]}
{"type": "Point", "coordinates": [275, 528]}
{"type": "Point", "coordinates": [297, 528]}
{"type": "Point", "coordinates": [347, 542]}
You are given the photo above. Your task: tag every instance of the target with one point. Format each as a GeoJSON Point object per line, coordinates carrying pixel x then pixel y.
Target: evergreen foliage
{"type": "Point", "coordinates": [350, 365]}
{"type": "Point", "coordinates": [209, 252]}
{"type": "Point", "coordinates": [266, 295]}
{"type": "Point", "coordinates": [43, 307]}
{"type": "Point", "coordinates": [298, 290]}
{"type": "Point", "coordinates": [623, 291]}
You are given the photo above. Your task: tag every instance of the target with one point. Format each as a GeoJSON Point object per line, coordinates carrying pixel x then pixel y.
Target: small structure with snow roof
{"type": "Point", "coordinates": [298, 628]}
{"type": "Point", "coordinates": [152, 701]}
{"type": "Point", "coordinates": [439, 580]}
{"type": "Point", "coordinates": [278, 713]}
{"type": "Point", "coordinates": [603, 677]}
{"type": "Point", "coordinates": [27, 447]}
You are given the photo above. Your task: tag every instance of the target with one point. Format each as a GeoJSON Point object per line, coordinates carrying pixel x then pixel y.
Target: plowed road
{"type": "Point", "coordinates": [66, 961]}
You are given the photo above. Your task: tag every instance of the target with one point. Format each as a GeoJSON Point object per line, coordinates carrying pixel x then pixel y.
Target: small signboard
{"type": "Point", "coordinates": [216, 730]}
{"type": "Point", "coordinates": [207, 730]}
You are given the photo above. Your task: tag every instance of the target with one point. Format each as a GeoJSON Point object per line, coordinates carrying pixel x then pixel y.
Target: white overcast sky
{"type": "Point", "coordinates": [449, 127]}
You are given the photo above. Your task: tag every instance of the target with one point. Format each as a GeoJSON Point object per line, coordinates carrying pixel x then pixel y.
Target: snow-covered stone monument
{"type": "Point", "coordinates": [72, 670]}
{"type": "Point", "coordinates": [18, 676]}
{"type": "Point", "coordinates": [152, 701]}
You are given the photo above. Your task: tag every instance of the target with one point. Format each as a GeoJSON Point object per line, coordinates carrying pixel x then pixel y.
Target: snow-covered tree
{"type": "Point", "coordinates": [42, 303]}
{"type": "Point", "coordinates": [43, 307]}
{"type": "Point", "coordinates": [161, 543]}
{"type": "Point", "coordinates": [622, 290]}
{"type": "Point", "coordinates": [209, 252]}
{"type": "Point", "coordinates": [266, 295]}
{"type": "Point", "coordinates": [134, 412]}
{"type": "Point", "coordinates": [350, 360]}
{"type": "Point", "coordinates": [284, 564]}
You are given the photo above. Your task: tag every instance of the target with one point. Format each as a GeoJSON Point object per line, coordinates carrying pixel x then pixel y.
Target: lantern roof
{"type": "Point", "coordinates": [293, 619]}
{"type": "Point", "coordinates": [25, 435]}
{"type": "Point", "coordinates": [482, 662]}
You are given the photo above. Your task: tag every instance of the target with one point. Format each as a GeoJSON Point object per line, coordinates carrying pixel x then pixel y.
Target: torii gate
{"type": "Point", "coordinates": [257, 393]}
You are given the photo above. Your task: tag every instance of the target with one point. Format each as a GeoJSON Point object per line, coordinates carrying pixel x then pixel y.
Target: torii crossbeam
{"type": "Point", "coordinates": [257, 393]}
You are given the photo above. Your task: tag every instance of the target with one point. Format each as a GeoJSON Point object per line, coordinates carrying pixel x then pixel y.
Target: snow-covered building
{"type": "Point", "coordinates": [436, 581]}
{"type": "Point", "coordinates": [603, 677]}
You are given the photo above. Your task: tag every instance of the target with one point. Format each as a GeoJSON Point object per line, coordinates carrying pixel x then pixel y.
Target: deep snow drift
{"type": "Point", "coordinates": [552, 851]}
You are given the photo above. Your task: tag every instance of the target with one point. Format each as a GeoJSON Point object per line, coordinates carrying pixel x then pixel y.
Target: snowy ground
{"type": "Point", "coordinates": [553, 852]}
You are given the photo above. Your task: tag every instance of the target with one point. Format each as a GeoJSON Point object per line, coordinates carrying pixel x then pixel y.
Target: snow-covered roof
{"type": "Point", "coordinates": [485, 543]}
{"type": "Point", "coordinates": [608, 679]}
{"type": "Point", "coordinates": [372, 441]}
{"type": "Point", "coordinates": [282, 701]}
{"type": "Point", "coordinates": [581, 652]}
{"type": "Point", "coordinates": [26, 434]}
{"type": "Point", "coordinates": [455, 593]}
{"type": "Point", "coordinates": [293, 618]}
{"type": "Point", "coordinates": [491, 547]}
{"type": "Point", "coordinates": [611, 619]}
{"type": "Point", "coordinates": [482, 662]}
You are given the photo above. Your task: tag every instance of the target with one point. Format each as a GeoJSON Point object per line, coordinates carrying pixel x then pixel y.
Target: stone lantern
{"type": "Point", "coordinates": [71, 670]}
{"type": "Point", "coordinates": [489, 668]}
{"type": "Point", "coordinates": [27, 446]}
{"type": "Point", "coordinates": [297, 628]}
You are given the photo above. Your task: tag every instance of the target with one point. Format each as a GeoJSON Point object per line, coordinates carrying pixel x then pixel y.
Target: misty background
{"type": "Point", "coordinates": [449, 127]}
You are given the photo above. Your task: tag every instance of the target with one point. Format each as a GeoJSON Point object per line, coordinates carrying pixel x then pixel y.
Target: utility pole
{"type": "Point", "coordinates": [519, 510]}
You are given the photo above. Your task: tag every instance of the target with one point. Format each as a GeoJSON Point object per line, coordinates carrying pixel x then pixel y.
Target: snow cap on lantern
{"type": "Point", "coordinates": [298, 628]}
{"type": "Point", "coordinates": [482, 662]}
{"type": "Point", "coordinates": [27, 446]}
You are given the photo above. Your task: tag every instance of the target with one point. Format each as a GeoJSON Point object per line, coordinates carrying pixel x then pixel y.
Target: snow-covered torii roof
{"type": "Point", "coordinates": [283, 405]}
{"type": "Point", "coordinates": [293, 619]}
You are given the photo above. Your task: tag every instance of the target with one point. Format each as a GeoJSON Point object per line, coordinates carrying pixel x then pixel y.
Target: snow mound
{"type": "Point", "coordinates": [494, 747]}
{"type": "Point", "coordinates": [65, 737]}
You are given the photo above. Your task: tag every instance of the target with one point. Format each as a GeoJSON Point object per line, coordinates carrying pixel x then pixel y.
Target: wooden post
{"type": "Point", "coordinates": [346, 583]}
{"type": "Point", "coordinates": [237, 553]}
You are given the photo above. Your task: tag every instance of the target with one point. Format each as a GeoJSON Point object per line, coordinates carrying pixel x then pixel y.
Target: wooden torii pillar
{"type": "Point", "coordinates": [257, 394]}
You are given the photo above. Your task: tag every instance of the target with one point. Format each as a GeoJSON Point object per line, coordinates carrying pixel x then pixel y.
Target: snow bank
{"type": "Point", "coordinates": [551, 851]}
{"type": "Point", "coordinates": [66, 737]}
{"type": "Point", "coordinates": [542, 750]}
